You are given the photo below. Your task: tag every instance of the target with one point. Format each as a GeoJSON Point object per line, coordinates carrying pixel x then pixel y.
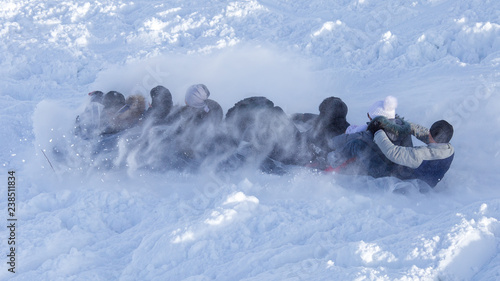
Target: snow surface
{"type": "Point", "coordinates": [440, 58]}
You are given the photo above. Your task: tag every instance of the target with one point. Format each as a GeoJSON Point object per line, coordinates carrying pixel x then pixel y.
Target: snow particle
{"type": "Point", "coordinates": [483, 208]}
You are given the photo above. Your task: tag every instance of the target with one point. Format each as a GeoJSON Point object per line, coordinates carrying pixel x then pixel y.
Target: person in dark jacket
{"type": "Point", "coordinates": [161, 105]}
{"type": "Point", "coordinates": [265, 136]}
{"type": "Point", "coordinates": [427, 163]}
{"type": "Point", "coordinates": [114, 103]}
{"type": "Point", "coordinates": [118, 116]}
{"type": "Point", "coordinates": [199, 110]}
{"type": "Point", "coordinates": [192, 128]}
{"type": "Point", "coordinates": [176, 137]}
{"type": "Point", "coordinates": [330, 122]}
{"type": "Point", "coordinates": [317, 131]}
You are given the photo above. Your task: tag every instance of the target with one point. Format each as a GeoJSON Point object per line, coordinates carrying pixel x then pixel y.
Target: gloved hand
{"type": "Point", "coordinates": [374, 126]}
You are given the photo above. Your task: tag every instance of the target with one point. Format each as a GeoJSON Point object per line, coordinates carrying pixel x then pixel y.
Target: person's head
{"type": "Point", "coordinates": [96, 96]}
{"type": "Point", "coordinates": [386, 108]}
{"type": "Point", "coordinates": [113, 99]}
{"type": "Point", "coordinates": [161, 98]}
{"type": "Point", "coordinates": [332, 117]}
{"type": "Point", "coordinates": [332, 107]}
{"type": "Point", "coordinates": [441, 131]}
{"type": "Point", "coordinates": [196, 95]}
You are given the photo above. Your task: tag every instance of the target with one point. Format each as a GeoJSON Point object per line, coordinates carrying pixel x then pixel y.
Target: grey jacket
{"type": "Point", "coordinates": [412, 157]}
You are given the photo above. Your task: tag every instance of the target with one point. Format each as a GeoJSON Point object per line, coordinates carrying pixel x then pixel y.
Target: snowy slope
{"type": "Point", "coordinates": [440, 58]}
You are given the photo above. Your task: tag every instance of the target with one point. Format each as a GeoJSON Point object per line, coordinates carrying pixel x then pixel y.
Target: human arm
{"type": "Point", "coordinates": [420, 132]}
{"type": "Point", "coordinates": [405, 156]}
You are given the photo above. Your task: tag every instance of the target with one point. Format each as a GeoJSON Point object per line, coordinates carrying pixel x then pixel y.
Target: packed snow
{"type": "Point", "coordinates": [440, 58]}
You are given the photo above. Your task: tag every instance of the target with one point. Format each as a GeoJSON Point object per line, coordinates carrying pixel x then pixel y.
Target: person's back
{"type": "Point", "coordinates": [430, 171]}
{"type": "Point", "coordinates": [264, 134]}
{"type": "Point", "coordinates": [194, 128]}
{"type": "Point", "coordinates": [245, 114]}
{"type": "Point", "coordinates": [427, 163]}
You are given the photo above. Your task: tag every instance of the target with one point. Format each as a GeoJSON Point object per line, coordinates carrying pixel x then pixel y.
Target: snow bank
{"type": "Point", "coordinates": [439, 58]}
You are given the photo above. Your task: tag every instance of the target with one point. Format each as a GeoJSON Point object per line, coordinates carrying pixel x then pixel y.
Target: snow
{"type": "Point", "coordinates": [440, 58]}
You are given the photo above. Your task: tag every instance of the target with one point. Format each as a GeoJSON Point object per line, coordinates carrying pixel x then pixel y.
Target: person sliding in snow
{"type": "Point", "coordinates": [355, 152]}
{"type": "Point", "coordinates": [120, 113]}
{"type": "Point", "coordinates": [264, 136]}
{"type": "Point", "coordinates": [427, 163]}
{"type": "Point", "coordinates": [330, 123]}
{"type": "Point", "coordinates": [318, 130]}
{"type": "Point", "coordinates": [175, 137]}
{"type": "Point", "coordinates": [193, 128]}
{"type": "Point", "coordinates": [160, 107]}
{"type": "Point", "coordinates": [88, 123]}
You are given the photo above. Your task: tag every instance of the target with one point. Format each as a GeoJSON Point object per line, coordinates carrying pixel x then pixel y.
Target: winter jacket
{"type": "Point", "coordinates": [330, 123]}
{"type": "Point", "coordinates": [120, 116]}
{"type": "Point", "coordinates": [347, 146]}
{"type": "Point", "coordinates": [189, 134]}
{"type": "Point", "coordinates": [264, 133]}
{"type": "Point", "coordinates": [428, 163]}
{"type": "Point", "coordinates": [317, 130]}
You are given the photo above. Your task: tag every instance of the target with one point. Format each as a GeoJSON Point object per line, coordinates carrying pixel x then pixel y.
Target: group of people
{"type": "Point", "coordinates": [257, 132]}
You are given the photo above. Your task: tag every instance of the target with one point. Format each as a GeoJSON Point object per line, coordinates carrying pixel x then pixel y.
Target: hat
{"type": "Point", "coordinates": [96, 96]}
{"type": "Point", "coordinates": [113, 99]}
{"type": "Point", "coordinates": [386, 108]}
{"type": "Point", "coordinates": [161, 97]}
{"type": "Point", "coordinates": [333, 107]}
{"type": "Point", "coordinates": [196, 96]}
{"type": "Point", "coordinates": [441, 131]}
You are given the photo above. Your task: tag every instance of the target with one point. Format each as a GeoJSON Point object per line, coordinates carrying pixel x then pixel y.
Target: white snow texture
{"type": "Point", "coordinates": [439, 58]}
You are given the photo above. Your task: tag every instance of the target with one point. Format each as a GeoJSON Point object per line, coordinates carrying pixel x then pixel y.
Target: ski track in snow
{"type": "Point", "coordinates": [440, 58]}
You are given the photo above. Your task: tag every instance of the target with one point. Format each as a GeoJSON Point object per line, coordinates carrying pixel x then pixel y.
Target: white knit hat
{"type": "Point", "coordinates": [196, 95]}
{"type": "Point", "coordinates": [386, 108]}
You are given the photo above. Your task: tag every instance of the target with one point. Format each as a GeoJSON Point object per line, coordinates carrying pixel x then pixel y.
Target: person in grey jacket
{"type": "Point", "coordinates": [428, 163]}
